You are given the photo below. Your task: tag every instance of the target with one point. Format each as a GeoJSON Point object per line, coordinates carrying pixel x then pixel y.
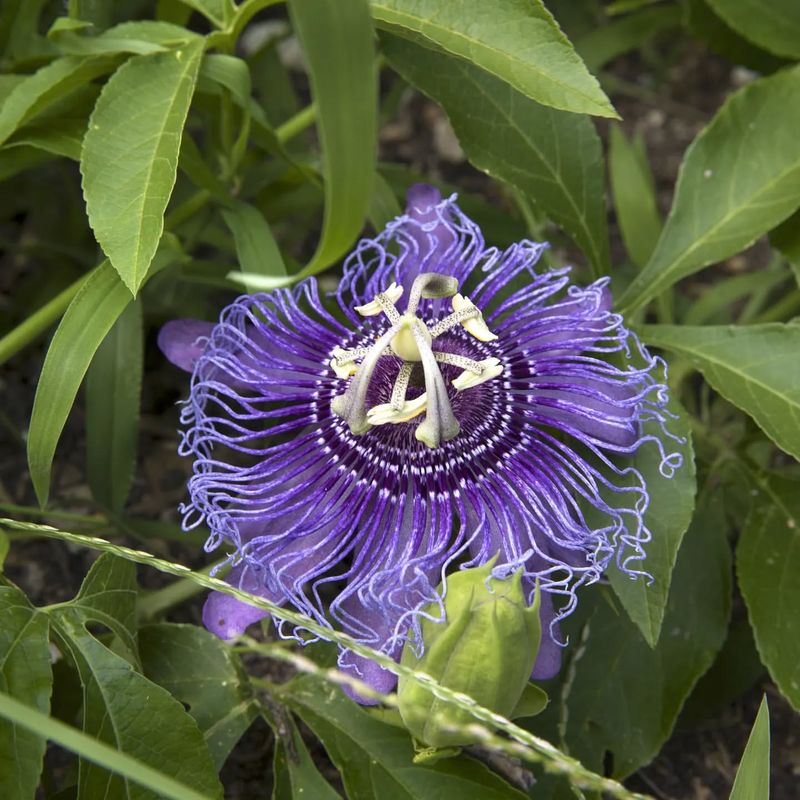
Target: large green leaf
{"type": "Point", "coordinates": [623, 697]}
{"type": "Point", "coordinates": [130, 155]}
{"type": "Point", "coordinates": [108, 595]}
{"type": "Point", "coordinates": [119, 704]}
{"type": "Point", "coordinates": [768, 565]}
{"type": "Point", "coordinates": [375, 758]}
{"type": "Point", "coordinates": [739, 178]}
{"type": "Point", "coordinates": [47, 86]}
{"type": "Point", "coordinates": [668, 516]}
{"type": "Point", "coordinates": [517, 41]}
{"type": "Point", "coordinates": [774, 25]}
{"type": "Point", "coordinates": [338, 44]}
{"type": "Point", "coordinates": [752, 777]}
{"type": "Point", "coordinates": [198, 669]}
{"type": "Point", "coordinates": [755, 367]}
{"type": "Point", "coordinates": [113, 389]}
{"type": "Point", "coordinates": [553, 157]}
{"type": "Point", "coordinates": [26, 675]}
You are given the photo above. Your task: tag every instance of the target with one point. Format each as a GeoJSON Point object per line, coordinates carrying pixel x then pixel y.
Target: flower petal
{"type": "Point", "coordinates": [182, 341]}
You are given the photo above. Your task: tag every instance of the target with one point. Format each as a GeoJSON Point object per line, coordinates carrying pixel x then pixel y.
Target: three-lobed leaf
{"type": "Point", "coordinates": [26, 675]}
{"type": "Point", "coordinates": [553, 157]}
{"type": "Point", "coordinates": [768, 565]}
{"type": "Point", "coordinates": [517, 41]}
{"type": "Point", "coordinates": [130, 155]}
{"type": "Point", "coordinates": [755, 367]}
{"type": "Point", "coordinates": [738, 179]}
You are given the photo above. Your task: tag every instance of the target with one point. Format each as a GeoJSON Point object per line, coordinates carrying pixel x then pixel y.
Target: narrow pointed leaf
{"type": "Point", "coordinates": [113, 390]}
{"type": "Point", "coordinates": [739, 179]}
{"type": "Point", "coordinates": [338, 44]}
{"type": "Point", "coordinates": [774, 26]}
{"type": "Point", "coordinates": [130, 155]}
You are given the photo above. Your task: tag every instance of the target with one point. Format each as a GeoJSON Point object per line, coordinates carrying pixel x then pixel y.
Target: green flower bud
{"type": "Point", "coordinates": [486, 648]}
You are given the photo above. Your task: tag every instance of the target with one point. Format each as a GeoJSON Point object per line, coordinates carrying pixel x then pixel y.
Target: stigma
{"type": "Point", "coordinates": [413, 341]}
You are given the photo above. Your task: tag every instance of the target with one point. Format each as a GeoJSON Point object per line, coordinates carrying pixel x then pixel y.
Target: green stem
{"type": "Point", "coordinates": [187, 209]}
{"type": "Point", "coordinates": [296, 124]}
{"type": "Point", "coordinates": [36, 324]}
{"type": "Point", "coordinates": [786, 308]}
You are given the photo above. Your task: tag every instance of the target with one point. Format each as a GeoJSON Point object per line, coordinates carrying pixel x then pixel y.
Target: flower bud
{"type": "Point", "coordinates": [485, 648]}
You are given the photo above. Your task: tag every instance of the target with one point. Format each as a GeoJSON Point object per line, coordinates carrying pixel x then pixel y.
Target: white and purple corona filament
{"type": "Point", "coordinates": [448, 404]}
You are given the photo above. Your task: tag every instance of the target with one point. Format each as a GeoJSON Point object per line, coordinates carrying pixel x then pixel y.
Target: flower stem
{"type": "Point", "coordinates": [296, 124]}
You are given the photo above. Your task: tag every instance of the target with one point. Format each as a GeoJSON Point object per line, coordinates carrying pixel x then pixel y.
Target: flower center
{"type": "Point", "coordinates": [413, 341]}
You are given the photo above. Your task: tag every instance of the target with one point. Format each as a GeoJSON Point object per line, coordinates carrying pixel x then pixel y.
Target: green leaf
{"type": "Point", "coordinates": [668, 516]}
{"type": "Point", "coordinates": [606, 42]}
{"type": "Point", "coordinates": [634, 196]}
{"type": "Point", "coordinates": [774, 26]}
{"type": "Point", "coordinates": [753, 366]}
{"type": "Point", "coordinates": [337, 40]}
{"type": "Point", "coordinates": [752, 777]}
{"type": "Point", "coordinates": [726, 198]}
{"type": "Point", "coordinates": [135, 135]}
{"type": "Point", "coordinates": [108, 595]}
{"type": "Point", "coordinates": [141, 37]}
{"type": "Point", "coordinates": [517, 41]}
{"type": "Point", "coordinates": [59, 137]}
{"type": "Point", "coordinates": [375, 758]}
{"type": "Point", "coordinates": [553, 157]}
{"type": "Point", "coordinates": [256, 248]}
{"type": "Point", "coordinates": [625, 696]}
{"type": "Point", "coordinates": [113, 389]}
{"type": "Point", "coordinates": [44, 727]}
{"type": "Point", "coordinates": [120, 707]}
{"type": "Point", "coordinates": [198, 669]}
{"type": "Point", "coordinates": [768, 564]}
{"type": "Point", "coordinates": [25, 674]}
{"type": "Point", "coordinates": [220, 12]}
{"type": "Point", "coordinates": [47, 86]}
{"type": "Point", "coordinates": [786, 240]}
{"type": "Point", "coordinates": [86, 322]}
{"type": "Point", "coordinates": [296, 774]}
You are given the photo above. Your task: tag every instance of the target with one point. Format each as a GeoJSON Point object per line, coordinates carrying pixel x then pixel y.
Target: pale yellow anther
{"type": "Point", "coordinates": [384, 413]}
{"type": "Point", "coordinates": [467, 379]}
{"type": "Point", "coordinates": [346, 370]}
{"type": "Point", "coordinates": [474, 326]}
{"type": "Point", "coordinates": [371, 309]}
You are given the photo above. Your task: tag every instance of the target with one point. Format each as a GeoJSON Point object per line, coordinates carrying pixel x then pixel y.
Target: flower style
{"type": "Point", "coordinates": [447, 405]}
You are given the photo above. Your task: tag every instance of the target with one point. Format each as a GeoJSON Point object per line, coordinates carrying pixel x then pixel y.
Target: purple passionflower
{"type": "Point", "coordinates": [447, 405]}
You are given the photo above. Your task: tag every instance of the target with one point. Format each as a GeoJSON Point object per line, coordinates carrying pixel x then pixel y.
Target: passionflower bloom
{"type": "Point", "coordinates": [446, 405]}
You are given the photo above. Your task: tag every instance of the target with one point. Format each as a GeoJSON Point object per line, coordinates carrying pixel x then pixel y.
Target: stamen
{"type": "Point", "coordinates": [475, 326]}
{"type": "Point", "coordinates": [384, 301]}
{"type": "Point", "coordinates": [459, 361]}
{"type": "Point", "coordinates": [401, 386]}
{"type": "Point", "coordinates": [385, 413]}
{"type": "Point", "coordinates": [453, 319]}
{"type": "Point", "coordinates": [490, 368]}
{"type": "Point", "coordinates": [343, 362]}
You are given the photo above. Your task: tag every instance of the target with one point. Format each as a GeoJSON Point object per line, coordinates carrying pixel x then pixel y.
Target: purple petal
{"type": "Point", "coordinates": [183, 341]}
{"type": "Point", "coordinates": [548, 660]}
{"type": "Point", "coordinates": [227, 617]}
